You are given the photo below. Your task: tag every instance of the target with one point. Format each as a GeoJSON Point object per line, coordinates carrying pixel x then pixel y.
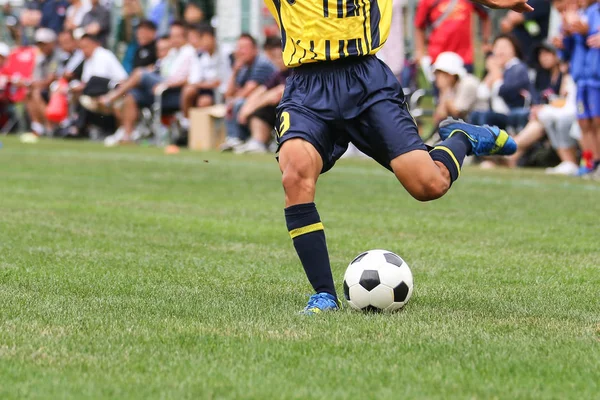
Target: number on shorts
{"type": "Point", "coordinates": [284, 123]}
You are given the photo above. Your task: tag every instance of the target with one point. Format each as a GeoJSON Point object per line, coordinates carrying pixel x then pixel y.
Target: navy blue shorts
{"type": "Point", "coordinates": [358, 100]}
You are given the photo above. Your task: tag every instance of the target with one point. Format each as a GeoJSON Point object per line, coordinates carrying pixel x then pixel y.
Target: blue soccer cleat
{"type": "Point", "coordinates": [486, 140]}
{"type": "Point", "coordinates": [320, 302]}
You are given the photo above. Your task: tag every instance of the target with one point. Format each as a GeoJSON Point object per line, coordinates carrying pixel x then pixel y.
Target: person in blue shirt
{"type": "Point", "coordinates": [581, 29]}
{"type": "Point", "coordinates": [250, 70]}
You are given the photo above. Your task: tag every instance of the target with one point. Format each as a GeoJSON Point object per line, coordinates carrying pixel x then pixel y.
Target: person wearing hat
{"type": "Point", "coordinates": [458, 88]}
{"type": "Point", "coordinates": [45, 72]}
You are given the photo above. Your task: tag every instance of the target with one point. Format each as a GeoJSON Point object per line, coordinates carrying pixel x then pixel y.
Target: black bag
{"type": "Point", "coordinates": [97, 86]}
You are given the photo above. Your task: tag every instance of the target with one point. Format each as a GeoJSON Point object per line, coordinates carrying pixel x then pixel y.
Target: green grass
{"type": "Point", "coordinates": [126, 273]}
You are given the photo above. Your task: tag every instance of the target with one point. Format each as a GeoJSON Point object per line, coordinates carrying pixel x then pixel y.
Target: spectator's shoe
{"type": "Point", "coordinates": [593, 176]}
{"type": "Point", "coordinates": [584, 170]}
{"type": "Point", "coordinates": [231, 143]}
{"type": "Point", "coordinates": [116, 138]}
{"type": "Point", "coordinates": [486, 140]}
{"type": "Point", "coordinates": [251, 147]}
{"type": "Point", "coordinates": [567, 168]}
{"type": "Point", "coordinates": [321, 302]}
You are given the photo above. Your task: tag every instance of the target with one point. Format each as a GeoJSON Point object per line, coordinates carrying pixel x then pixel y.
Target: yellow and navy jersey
{"type": "Point", "coordinates": [324, 30]}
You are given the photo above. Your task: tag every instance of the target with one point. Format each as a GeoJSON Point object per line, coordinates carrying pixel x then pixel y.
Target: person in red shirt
{"type": "Point", "coordinates": [449, 23]}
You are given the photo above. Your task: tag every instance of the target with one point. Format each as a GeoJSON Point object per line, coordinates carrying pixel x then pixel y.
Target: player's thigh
{"type": "Point", "coordinates": [304, 141]}
{"type": "Point", "coordinates": [386, 131]}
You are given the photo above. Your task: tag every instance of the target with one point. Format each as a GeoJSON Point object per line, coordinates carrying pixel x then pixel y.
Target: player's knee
{"type": "Point", "coordinates": [295, 181]}
{"type": "Point", "coordinates": [430, 189]}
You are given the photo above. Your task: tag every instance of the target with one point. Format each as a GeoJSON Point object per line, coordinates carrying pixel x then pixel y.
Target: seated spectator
{"type": "Point", "coordinates": [75, 13]}
{"type": "Point", "coordinates": [69, 53]}
{"type": "Point", "coordinates": [132, 14]}
{"type": "Point", "coordinates": [458, 88]}
{"type": "Point", "coordinates": [97, 22]}
{"type": "Point", "coordinates": [101, 70]}
{"type": "Point", "coordinates": [554, 116]}
{"type": "Point", "coordinates": [259, 112]}
{"type": "Point", "coordinates": [142, 87]}
{"type": "Point", "coordinates": [145, 54]}
{"type": "Point", "coordinates": [209, 71]}
{"type": "Point", "coordinates": [45, 72]}
{"type": "Point", "coordinates": [529, 29]}
{"type": "Point", "coordinates": [250, 70]}
{"type": "Point", "coordinates": [506, 86]}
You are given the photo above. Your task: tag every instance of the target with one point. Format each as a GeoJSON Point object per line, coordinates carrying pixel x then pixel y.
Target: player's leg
{"type": "Point", "coordinates": [301, 164]}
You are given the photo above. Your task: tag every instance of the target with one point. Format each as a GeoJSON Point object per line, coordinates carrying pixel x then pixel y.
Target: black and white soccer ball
{"type": "Point", "coordinates": [378, 280]}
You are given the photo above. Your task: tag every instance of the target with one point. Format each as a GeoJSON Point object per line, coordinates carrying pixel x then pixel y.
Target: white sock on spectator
{"type": "Point", "coordinates": [37, 128]}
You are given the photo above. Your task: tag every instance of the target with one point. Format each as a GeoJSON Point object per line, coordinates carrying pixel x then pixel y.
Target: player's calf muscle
{"type": "Point", "coordinates": [423, 179]}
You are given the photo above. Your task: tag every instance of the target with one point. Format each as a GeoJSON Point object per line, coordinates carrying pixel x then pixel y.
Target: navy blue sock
{"type": "Point", "coordinates": [306, 231]}
{"type": "Point", "coordinates": [452, 152]}
{"type": "Point", "coordinates": [596, 164]}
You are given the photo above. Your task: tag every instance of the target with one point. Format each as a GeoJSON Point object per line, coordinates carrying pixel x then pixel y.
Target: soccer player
{"type": "Point", "coordinates": [339, 92]}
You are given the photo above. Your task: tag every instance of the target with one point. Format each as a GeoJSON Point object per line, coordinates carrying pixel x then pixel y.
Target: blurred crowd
{"type": "Point", "coordinates": [536, 75]}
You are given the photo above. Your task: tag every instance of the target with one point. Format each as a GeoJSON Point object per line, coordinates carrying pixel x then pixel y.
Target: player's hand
{"type": "Point", "coordinates": [594, 41]}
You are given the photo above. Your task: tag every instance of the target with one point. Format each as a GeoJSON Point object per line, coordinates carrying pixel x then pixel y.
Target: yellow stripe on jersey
{"type": "Point", "coordinates": [323, 30]}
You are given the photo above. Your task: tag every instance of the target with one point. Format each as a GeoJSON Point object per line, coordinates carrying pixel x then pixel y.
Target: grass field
{"type": "Point", "coordinates": [125, 273]}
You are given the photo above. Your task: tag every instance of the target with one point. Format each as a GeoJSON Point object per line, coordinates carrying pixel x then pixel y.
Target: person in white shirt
{"type": "Point", "coordinates": [99, 62]}
{"type": "Point", "coordinates": [142, 87]}
{"type": "Point", "coordinates": [208, 72]}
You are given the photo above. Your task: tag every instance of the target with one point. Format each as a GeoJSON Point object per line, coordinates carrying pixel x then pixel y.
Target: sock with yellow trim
{"type": "Point", "coordinates": [306, 230]}
{"type": "Point", "coordinates": [452, 152]}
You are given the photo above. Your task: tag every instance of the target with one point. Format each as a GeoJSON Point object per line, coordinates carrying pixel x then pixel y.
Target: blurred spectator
{"type": "Point", "coordinates": [193, 13]}
{"type": "Point", "coordinates": [76, 12]}
{"type": "Point", "coordinates": [250, 70]}
{"type": "Point", "coordinates": [458, 88]}
{"type": "Point", "coordinates": [259, 112]}
{"type": "Point", "coordinates": [506, 86]}
{"type": "Point", "coordinates": [97, 22]}
{"type": "Point", "coordinates": [159, 12]}
{"type": "Point", "coordinates": [554, 116]}
{"type": "Point", "coordinates": [209, 71]}
{"type": "Point", "coordinates": [45, 14]}
{"type": "Point", "coordinates": [530, 29]}
{"type": "Point", "coordinates": [99, 62]}
{"type": "Point", "coordinates": [68, 54]}
{"type": "Point", "coordinates": [145, 54]}
{"type": "Point", "coordinates": [46, 69]}
{"type": "Point", "coordinates": [132, 14]}
{"type": "Point", "coordinates": [447, 25]}
{"type": "Point", "coordinates": [142, 87]}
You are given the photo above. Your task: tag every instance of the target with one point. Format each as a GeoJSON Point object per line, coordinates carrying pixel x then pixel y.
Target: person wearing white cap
{"type": "Point", "coordinates": [45, 72]}
{"type": "Point", "coordinates": [458, 88]}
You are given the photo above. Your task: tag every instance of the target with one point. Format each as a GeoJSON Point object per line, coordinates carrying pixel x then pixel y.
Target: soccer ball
{"type": "Point", "coordinates": [378, 280]}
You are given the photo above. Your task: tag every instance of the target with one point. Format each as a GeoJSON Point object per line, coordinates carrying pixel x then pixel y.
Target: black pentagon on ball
{"type": "Point", "coordinates": [346, 291]}
{"type": "Point", "coordinates": [393, 259]}
{"type": "Point", "coordinates": [400, 292]}
{"type": "Point", "coordinates": [359, 257]}
{"type": "Point", "coordinates": [369, 279]}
